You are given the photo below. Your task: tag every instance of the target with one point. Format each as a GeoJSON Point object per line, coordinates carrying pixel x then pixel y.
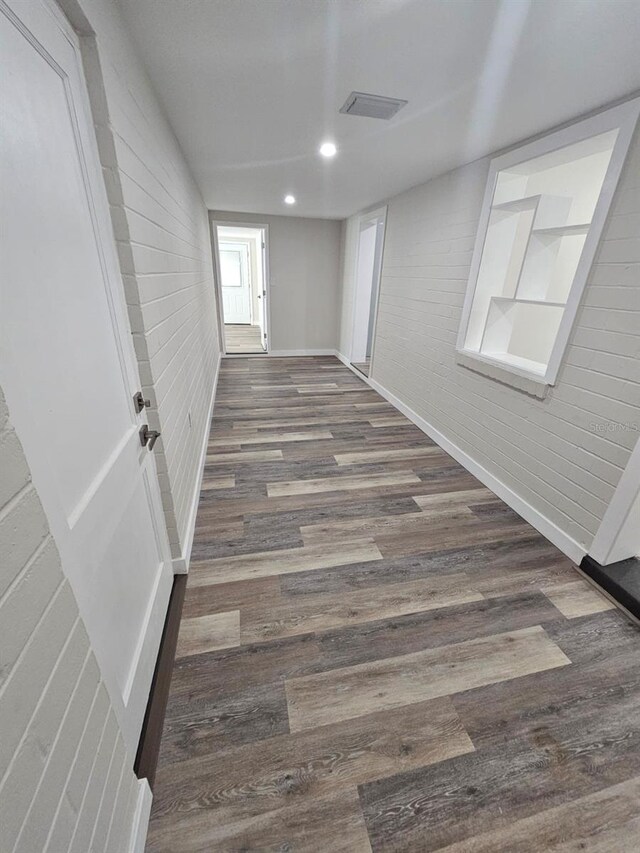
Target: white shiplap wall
{"type": "Point", "coordinates": [559, 455]}
{"type": "Point", "coordinates": [162, 232]}
{"type": "Point", "coordinates": [66, 782]}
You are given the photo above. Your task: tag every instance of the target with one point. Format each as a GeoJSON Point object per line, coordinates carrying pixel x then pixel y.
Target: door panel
{"type": "Point", "coordinates": [364, 282]}
{"type": "Point", "coordinates": [133, 541]}
{"type": "Point", "coordinates": [66, 358]}
{"type": "Point", "coordinates": [236, 293]}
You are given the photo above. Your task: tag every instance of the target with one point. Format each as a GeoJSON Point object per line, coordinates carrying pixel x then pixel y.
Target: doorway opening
{"type": "Point", "coordinates": [367, 286]}
{"type": "Point", "coordinates": [242, 263]}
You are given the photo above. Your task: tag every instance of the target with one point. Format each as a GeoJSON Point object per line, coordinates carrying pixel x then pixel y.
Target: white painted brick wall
{"type": "Point", "coordinates": [54, 756]}
{"type": "Point", "coordinates": [548, 451]}
{"type": "Point", "coordinates": [162, 233]}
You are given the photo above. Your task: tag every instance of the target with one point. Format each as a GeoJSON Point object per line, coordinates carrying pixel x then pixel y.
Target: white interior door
{"type": "Point", "coordinates": [236, 290]}
{"type": "Point", "coordinates": [66, 357]}
{"type": "Point", "coordinates": [367, 283]}
{"type": "Point", "coordinates": [364, 283]}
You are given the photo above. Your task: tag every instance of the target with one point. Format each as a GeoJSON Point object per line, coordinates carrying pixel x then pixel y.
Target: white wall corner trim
{"type": "Point", "coordinates": [573, 550]}
{"type": "Point", "coordinates": [181, 564]}
{"type": "Point", "coordinates": [607, 546]}
{"type": "Point", "coordinates": [348, 364]}
{"type": "Point", "coordinates": [141, 818]}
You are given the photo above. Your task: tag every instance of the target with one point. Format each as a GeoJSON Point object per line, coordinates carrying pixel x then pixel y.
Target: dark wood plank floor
{"type": "Point", "coordinates": [378, 654]}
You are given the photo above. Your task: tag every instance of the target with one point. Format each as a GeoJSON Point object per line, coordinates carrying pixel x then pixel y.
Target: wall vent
{"type": "Point", "coordinates": [371, 106]}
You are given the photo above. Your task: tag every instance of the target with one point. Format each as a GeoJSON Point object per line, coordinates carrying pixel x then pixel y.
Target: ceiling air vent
{"type": "Point", "coordinates": [371, 106]}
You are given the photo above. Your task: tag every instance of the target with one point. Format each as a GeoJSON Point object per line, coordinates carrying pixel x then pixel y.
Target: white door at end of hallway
{"type": "Point", "coordinates": [67, 365]}
{"type": "Point", "coordinates": [236, 287]}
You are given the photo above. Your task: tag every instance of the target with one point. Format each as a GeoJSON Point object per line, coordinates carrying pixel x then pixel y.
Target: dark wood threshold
{"type": "Point", "coordinates": [621, 580]}
{"type": "Point", "coordinates": [149, 746]}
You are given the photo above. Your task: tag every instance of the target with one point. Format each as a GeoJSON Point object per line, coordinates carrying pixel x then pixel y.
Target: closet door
{"type": "Point", "coordinates": [67, 363]}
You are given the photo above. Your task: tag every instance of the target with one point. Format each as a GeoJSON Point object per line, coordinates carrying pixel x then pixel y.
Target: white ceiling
{"type": "Point", "coordinates": [252, 87]}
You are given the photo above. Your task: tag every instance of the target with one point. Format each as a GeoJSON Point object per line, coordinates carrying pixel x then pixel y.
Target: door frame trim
{"type": "Point", "coordinates": [603, 548]}
{"type": "Point", "coordinates": [217, 278]}
{"type": "Point", "coordinates": [378, 214]}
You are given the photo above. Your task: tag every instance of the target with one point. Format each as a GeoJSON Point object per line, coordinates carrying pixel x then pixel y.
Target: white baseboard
{"type": "Point", "coordinates": [140, 825]}
{"type": "Point", "coordinates": [542, 524]}
{"type": "Point", "coordinates": [348, 364]}
{"type": "Point", "coordinates": [282, 353]}
{"type": "Point", "coordinates": [244, 355]}
{"type": "Point", "coordinates": [181, 564]}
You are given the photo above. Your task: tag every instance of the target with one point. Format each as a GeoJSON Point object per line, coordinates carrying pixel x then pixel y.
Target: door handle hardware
{"type": "Point", "coordinates": [148, 437]}
{"type": "Point", "coordinates": [139, 402]}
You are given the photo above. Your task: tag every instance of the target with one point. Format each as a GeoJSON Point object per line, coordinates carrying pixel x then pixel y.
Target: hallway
{"type": "Point", "coordinates": [376, 652]}
{"type": "Point", "coordinates": [319, 426]}
{"type": "Point", "coordinates": [242, 339]}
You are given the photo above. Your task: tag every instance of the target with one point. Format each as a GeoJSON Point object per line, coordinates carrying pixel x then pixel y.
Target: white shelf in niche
{"type": "Point", "coordinates": [549, 211]}
{"type": "Point", "coordinates": [550, 263]}
{"type": "Point", "coordinates": [544, 209]}
{"type": "Point", "coordinates": [521, 331]}
{"type": "Point", "coordinates": [525, 301]}
{"type": "Point", "coordinates": [561, 230]}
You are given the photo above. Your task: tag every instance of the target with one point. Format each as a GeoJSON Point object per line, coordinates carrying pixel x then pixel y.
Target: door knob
{"type": "Point", "coordinates": [148, 437]}
{"type": "Point", "coordinates": [139, 402]}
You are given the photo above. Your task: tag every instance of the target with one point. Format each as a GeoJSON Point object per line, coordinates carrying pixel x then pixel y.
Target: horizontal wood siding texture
{"type": "Point", "coordinates": [66, 781]}
{"type": "Point", "coordinates": [162, 232]}
{"type": "Point", "coordinates": [565, 454]}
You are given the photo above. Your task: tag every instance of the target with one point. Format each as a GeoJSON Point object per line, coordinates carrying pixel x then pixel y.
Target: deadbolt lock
{"type": "Point", "coordinates": [148, 437]}
{"type": "Point", "coordinates": [139, 402]}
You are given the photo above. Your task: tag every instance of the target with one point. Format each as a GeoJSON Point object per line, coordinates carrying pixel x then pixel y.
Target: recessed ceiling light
{"type": "Point", "coordinates": [328, 149]}
{"type": "Point", "coordinates": [289, 199]}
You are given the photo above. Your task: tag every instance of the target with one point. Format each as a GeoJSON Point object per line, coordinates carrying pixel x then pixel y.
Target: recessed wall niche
{"type": "Point", "coordinates": [544, 208]}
